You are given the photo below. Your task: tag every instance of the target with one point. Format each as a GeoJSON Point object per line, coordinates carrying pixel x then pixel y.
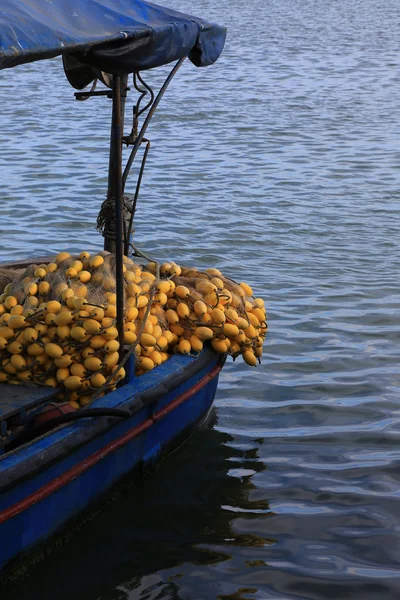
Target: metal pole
{"type": "Point", "coordinates": [135, 198]}
{"type": "Point", "coordinates": [115, 191]}
{"type": "Point", "coordinates": [109, 242]}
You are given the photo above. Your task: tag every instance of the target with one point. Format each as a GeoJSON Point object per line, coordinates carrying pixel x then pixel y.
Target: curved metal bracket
{"type": "Point", "coordinates": [153, 104]}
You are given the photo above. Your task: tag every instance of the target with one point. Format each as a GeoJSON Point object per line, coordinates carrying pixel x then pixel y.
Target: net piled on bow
{"type": "Point", "coordinates": [58, 321]}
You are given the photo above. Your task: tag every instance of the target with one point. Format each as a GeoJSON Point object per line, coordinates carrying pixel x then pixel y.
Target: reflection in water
{"type": "Point", "coordinates": [155, 533]}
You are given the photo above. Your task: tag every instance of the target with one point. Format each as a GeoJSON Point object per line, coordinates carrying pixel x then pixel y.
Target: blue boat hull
{"type": "Point", "coordinates": [51, 480]}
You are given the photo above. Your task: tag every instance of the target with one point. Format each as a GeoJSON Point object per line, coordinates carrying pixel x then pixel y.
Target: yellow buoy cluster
{"type": "Point", "coordinates": [206, 306]}
{"type": "Point", "coordinates": [58, 321]}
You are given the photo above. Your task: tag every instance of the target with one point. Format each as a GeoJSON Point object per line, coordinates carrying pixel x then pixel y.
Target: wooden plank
{"type": "Point", "coordinates": [17, 398]}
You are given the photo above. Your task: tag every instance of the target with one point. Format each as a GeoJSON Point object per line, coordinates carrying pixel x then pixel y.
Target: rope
{"type": "Point", "coordinates": [105, 223]}
{"type": "Point", "coordinates": [83, 98]}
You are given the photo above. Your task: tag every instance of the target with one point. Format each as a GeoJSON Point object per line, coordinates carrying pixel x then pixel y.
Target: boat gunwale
{"type": "Point", "coordinates": [78, 469]}
{"type": "Point", "coordinates": [25, 262]}
{"type": "Point", "coordinates": [32, 465]}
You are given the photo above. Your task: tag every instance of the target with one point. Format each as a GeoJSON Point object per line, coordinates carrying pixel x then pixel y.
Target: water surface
{"type": "Point", "coordinates": [280, 165]}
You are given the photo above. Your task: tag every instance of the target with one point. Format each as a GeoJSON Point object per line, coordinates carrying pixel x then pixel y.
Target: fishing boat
{"type": "Point", "coordinates": [53, 470]}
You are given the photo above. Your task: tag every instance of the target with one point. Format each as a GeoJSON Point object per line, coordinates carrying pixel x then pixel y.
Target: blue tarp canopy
{"type": "Point", "coordinates": [116, 36]}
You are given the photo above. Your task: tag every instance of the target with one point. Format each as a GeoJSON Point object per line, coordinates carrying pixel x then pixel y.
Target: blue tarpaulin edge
{"type": "Point", "coordinates": [116, 36]}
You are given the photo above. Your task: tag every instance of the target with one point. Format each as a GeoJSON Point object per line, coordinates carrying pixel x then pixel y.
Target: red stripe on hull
{"type": "Point", "coordinates": [83, 466]}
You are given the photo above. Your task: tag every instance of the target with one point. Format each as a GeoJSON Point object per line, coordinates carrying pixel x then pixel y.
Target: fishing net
{"type": "Point", "coordinates": [58, 321]}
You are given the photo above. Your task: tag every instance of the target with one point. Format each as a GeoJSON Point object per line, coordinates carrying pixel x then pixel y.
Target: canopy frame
{"type": "Point", "coordinates": [117, 178]}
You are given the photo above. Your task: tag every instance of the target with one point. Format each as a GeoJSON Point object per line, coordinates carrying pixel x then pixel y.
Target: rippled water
{"type": "Point", "coordinates": [280, 164]}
